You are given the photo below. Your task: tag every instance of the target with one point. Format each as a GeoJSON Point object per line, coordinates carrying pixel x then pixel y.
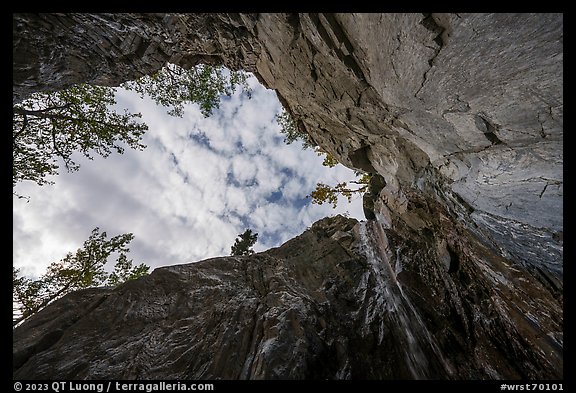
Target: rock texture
{"type": "Point", "coordinates": [344, 300]}
{"type": "Point", "coordinates": [460, 114]}
{"type": "Point", "coordinates": [476, 99]}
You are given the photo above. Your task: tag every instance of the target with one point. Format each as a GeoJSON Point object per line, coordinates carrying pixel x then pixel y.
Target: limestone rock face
{"type": "Point", "coordinates": [460, 114]}
{"type": "Point", "coordinates": [344, 300]}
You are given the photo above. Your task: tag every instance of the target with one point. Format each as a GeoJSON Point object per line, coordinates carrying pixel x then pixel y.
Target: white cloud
{"type": "Point", "coordinates": [200, 182]}
{"type": "Point", "coordinates": [244, 169]}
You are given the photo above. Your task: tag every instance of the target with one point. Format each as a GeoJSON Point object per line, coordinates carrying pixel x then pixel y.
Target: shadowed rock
{"type": "Point", "coordinates": [344, 300]}
{"type": "Point", "coordinates": [459, 274]}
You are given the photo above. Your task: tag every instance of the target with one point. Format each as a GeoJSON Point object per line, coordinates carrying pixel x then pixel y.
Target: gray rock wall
{"type": "Point", "coordinates": [461, 114]}
{"type": "Point", "coordinates": [344, 300]}
{"type": "Point", "coordinates": [476, 98]}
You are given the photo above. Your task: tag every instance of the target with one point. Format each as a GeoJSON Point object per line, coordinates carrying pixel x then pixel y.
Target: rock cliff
{"type": "Point", "coordinates": [459, 274]}
{"type": "Point", "coordinates": [344, 300]}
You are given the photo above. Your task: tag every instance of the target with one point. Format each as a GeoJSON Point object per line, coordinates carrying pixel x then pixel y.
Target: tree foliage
{"type": "Point", "coordinates": [329, 160]}
{"type": "Point", "coordinates": [244, 243]}
{"type": "Point", "coordinates": [52, 126]}
{"type": "Point", "coordinates": [291, 131]}
{"type": "Point", "coordinates": [174, 86]}
{"type": "Point", "coordinates": [328, 194]}
{"type": "Point", "coordinates": [82, 269]}
{"type": "Point", "coordinates": [323, 192]}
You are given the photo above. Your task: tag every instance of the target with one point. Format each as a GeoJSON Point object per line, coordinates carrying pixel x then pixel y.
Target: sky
{"type": "Point", "coordinates": [199, 183]}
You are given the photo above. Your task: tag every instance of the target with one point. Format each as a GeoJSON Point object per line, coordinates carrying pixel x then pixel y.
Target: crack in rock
{"type": "Point", "coordinates": [430, 23]}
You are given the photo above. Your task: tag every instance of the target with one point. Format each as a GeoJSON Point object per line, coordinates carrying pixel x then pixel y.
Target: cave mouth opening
{"type": "Point", "coordinates": [199, 183]}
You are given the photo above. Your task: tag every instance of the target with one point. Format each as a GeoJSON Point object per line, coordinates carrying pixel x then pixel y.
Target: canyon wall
{"type": "Point", "coordinates": [460, 118]}
{"type": "Point", "coordinates": [344, 300]}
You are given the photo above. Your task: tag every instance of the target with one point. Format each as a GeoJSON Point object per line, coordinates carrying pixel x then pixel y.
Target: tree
{"type": "Point", "coordinates": [244, 242]}
{"type": "Point", "coordinates": [48, 127]}
{"type": "Point", "coordinates": [327, 194]}
{"type": "Point", "coordinates": [174, 86]}
{"type": "Point", "coordinates": [329, 160]}
{"type": "Point", "coordinates": [52, 126]}
{"type": "Point", "coordinates": [83, 269]}
{"type": "Point", "coordinates": [291, 131]}
{"type": "Point", "coordinates": [323, 192]}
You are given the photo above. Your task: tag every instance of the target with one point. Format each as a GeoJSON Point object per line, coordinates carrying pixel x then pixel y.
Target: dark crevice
{"type": "Point", "coordinates": [558, 236]}
{"type": "Point", "coordinates": [339, 32]}
{"type": "Point", "coordinates": [546, 279]}
{"type": "Point", "coordinates": [315, 18]}
{"type": "Point", "coordinates": [348, 59]}
{"type": "Point", "coordinates": [313, 73]}
{"type": "Point", "coordinates": [438, 40]}
{"type": "Point", "coordinates": [491, 135]}
{"type": "Point", "coordinates": [47, 341]}
{"type": "Point", "coordinates": [463, 203]}
{"type": "Point", "coordinates": [359, 159]}
{"type": "Point", "coordinates": [517, 144]}
{"type": "Point", "coordinates": [493, 138]}
{"type": "Point", "coordinates": [489, 129]}
{"type": "Point", "coordinates": [392, 56]}
{"type": "Point", "coordinates": [430, 23]}
{"type": "Point", "coordinates": [255, 339]}
{"type": "Point", "coordinates": [543, 191]}
{"type": "Point", "coordinates": [51, 337]}
{"type": "Point", "coordinates": [294, 22]}
{"type": "Point", "coordinates": [352, 64]}
{"type": "Point", "coordinates": [542, 132]}
{"type": "Point", "coordinates": [454, 260]}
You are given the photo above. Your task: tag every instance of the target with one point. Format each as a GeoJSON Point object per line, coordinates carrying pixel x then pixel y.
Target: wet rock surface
{"type": "Point", "coordinates": [459, 272]}
{"type": "Point", "coordinates": [344, 300]}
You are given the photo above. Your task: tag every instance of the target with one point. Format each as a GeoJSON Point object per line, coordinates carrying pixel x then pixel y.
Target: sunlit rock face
{"type": "Point", "coordinates": [458, 274]}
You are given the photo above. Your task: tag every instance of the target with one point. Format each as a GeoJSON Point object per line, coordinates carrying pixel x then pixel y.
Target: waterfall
{"type": "Point", "coordinates": [389, 293]}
